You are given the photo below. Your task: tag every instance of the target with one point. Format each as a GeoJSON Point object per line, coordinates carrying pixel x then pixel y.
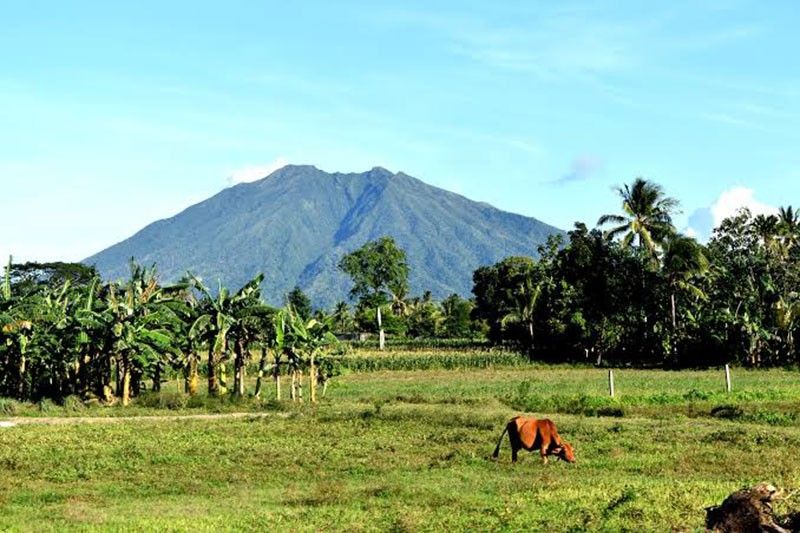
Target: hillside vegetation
{"type": "Point", "coordinates": [296, 224]}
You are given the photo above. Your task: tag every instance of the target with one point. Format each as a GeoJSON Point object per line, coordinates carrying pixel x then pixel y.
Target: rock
{"type": "Point", "coordinates": [749, 510]}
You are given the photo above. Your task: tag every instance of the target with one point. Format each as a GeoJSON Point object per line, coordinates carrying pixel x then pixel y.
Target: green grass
{"type": "Point", "coordinates": [409, 450]}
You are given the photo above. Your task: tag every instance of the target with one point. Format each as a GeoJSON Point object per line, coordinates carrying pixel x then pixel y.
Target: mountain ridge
{"type": "Point", "coordinates": [297, 222]}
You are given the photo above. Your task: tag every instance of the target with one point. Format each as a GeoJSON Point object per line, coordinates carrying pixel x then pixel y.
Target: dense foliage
{"type": "Point", "coordinates": [65, 333]}
{"type": "Point", "coordinates": [643, 294]}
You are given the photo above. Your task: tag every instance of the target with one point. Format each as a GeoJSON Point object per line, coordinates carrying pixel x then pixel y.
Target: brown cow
{"type": "Point", "coordinates": [532, 434]}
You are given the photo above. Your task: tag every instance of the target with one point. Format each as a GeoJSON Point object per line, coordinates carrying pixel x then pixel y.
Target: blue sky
{"type": "Point", "coordinates": [113, 115]}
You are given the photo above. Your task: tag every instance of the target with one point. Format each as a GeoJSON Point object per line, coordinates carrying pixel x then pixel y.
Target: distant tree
{"type": "Point", "coordinates": [379, 271]}
{"type": "Point", "coordinates": [647, 216]}
{"type": "Point", "coordinates": [525, 298]}
{"type": "Point", "coordinates": [456, 317]}
{"type": "Point", "coordinates": [342, 318]}
{"type": "Point", "coordinates": [29, 276]}
{"type": "Point", "coordinates": [766, 227]}
{"type": "Point", "coordinates": [299, 302]}
{"type": "Point", "coordinates": [684, 260]}
{"type": "Point", "coordinates": [789, 227]}
{"type": "Point", "coordinates": [376, 268]}
{"type": "Point", "coordinates": [424, 317]}
{"type": "Point", "coordinates": [495, 288]}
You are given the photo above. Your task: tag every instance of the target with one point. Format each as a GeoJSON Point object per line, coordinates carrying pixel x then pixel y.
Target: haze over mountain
{"type": "Point", "coordinates": [295, 225]}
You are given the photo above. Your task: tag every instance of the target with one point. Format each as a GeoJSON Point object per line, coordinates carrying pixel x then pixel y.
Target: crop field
{"type": "Point", "coordinates": [408, 450]}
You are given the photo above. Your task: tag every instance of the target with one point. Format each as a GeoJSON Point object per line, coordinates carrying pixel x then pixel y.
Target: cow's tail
{"type": "Point", "coordinates": [499, 442]}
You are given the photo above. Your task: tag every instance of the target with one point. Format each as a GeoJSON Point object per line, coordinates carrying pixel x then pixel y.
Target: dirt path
{"type": "Point", "coordinates": [63, 420]}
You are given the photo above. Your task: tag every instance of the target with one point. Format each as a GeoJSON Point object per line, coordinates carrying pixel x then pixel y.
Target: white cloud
{"type": "Point", "coordinates": [732, 200]}
{"type": "Point", "coordinates": [256, 172]}
{"type": "Point", "coordinates": [703, 221]}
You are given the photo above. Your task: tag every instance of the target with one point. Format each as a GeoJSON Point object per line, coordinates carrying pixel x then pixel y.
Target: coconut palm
{"type": "Point", "coordinates": [789, 226]}
{"type": "Point", "coordinates": [766, 228]}
{"type": "Point", "coordinates": [526, 300]}
{"type": "Point", "coordinates": [684, 259]}
{"type": "Point", "coordinates": [343, 319]}
{"type": "Point", "coordinates": [647, 216]}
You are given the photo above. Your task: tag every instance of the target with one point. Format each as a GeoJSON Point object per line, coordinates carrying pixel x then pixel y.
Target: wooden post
{"type": "Point", "coordinates": [611, 383]}
{"type": "Point", "coordinates": [728, 378]}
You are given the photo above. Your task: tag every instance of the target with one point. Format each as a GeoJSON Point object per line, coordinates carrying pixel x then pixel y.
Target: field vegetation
{"type": "Point", "coordinates": [409, 450]}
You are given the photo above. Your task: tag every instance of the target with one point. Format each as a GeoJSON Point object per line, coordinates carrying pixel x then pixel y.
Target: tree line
{"type": "Point", "coordinates": [64, 332]}
{"type": "Point", "coordinates": [633, 290]}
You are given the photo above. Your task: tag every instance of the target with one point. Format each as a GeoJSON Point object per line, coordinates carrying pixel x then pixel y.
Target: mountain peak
{"type": "Point", "coordinates": [299, 221]}
{"type": "Point", "coordinates": [380, 171]}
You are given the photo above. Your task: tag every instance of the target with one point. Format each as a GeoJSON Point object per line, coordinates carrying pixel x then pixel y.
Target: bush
{"type": "Point", "coordinates": [164, 400]}
{"type": "Point", "coordinates": [694, 395]}
{"type": "Point", "coordinates": [728, 412]}
{"type": "Point", "coordinates": [47, 406]}
{"type": "Point", "coordinates": [73, 404]}
{"type": "Point", "coordinates": [9, 406]}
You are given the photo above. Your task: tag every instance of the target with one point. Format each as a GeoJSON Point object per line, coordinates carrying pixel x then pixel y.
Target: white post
{"type": "Point", "coordinates": [611, 383]}
{"type": "Point", "coordinates": [728, 378]}
{"type": "Point", "coordinates": [380, 330]}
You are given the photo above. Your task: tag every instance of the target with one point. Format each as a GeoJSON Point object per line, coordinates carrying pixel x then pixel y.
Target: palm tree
{"type": "Point", "coordinates": [766, 228]}
{"type": "Point", "coordinates": [684, 259]}
{"type": "Point", "coordinates": [526, 300]}
{"type": "Point", "coordinates": [789, 226]}
{"type": "Point", "coordinates": [646, 218]}
{"type": "Point", "coordinates": [343, 319]}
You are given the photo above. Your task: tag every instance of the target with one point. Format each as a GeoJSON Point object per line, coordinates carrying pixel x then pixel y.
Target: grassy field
{"type": "Point", "coordinates": [409, 450]}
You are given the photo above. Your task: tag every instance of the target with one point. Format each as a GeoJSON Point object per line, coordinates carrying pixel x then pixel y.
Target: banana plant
{"type": "Point", "coordinates": [140, 327]}
{"type": "Point", "coordinates": [272, 341]}
{"type": "Point", "coordinates": [308, 339]}
{"type": "Point", "coordinates": [226, 320]}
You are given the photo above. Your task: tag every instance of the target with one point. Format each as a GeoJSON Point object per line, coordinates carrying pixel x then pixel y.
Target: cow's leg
{"type": "Point", "coordinates": [545, 447]}
{"type": "Point", "coordinates": [516, 442]}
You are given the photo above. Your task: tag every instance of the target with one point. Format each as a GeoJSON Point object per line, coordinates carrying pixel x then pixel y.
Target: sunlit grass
{"type": "Point", "coordinates": [410, 451]}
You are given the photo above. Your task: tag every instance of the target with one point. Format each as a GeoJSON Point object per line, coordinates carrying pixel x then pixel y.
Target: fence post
{"type": "Point", "coordinates": [381, 338]}
{"type": "Point", "coordinates": [611, 383]}
{"type": "Point", "coordinates": [728, 378]}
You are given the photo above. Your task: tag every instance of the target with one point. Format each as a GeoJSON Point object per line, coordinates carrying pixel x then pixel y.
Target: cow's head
{"type": "Point", "coordinates": [564, 451]}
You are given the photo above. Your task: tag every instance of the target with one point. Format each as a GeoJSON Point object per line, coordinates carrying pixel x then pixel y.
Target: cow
{"type": "Point", "coordinates": [532, 434]}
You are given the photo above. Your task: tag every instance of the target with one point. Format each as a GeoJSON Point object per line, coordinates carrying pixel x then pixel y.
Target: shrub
{"type": "Point", "coordinates": [164, 400]}
{"type": "Point", "coordinates": [73, 404]}
{"type": "Point", "coordinates": [47, 406]}
{"type": "Point", "coordinates": [728, 412]}
{"type": "Point", "coordinates": [9, 406]}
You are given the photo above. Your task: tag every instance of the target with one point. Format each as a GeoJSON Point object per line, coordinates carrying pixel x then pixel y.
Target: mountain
{"type": "Point", "coordinates": [295, 225]}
